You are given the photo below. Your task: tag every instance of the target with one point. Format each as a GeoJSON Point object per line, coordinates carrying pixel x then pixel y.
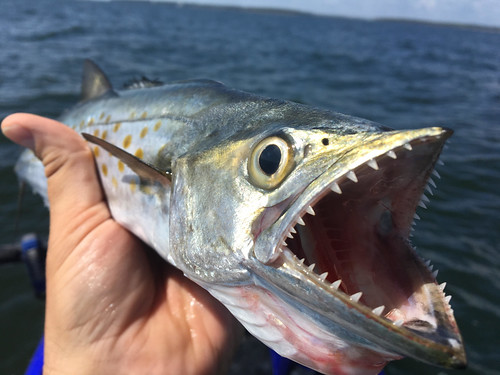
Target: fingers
{"type": "Point", "coordinates": [73, 185]}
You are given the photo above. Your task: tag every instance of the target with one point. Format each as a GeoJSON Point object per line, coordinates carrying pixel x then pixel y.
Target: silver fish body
{"type": "Point", "coordinates": [296, 218]}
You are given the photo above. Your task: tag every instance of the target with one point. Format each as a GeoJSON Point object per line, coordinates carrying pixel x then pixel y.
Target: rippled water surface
{"type": "Point", "coordinates": [400, 74]}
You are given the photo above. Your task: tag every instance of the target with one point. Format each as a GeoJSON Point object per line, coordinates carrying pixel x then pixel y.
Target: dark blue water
{"type": "Point", "coordinates": [400, 74]}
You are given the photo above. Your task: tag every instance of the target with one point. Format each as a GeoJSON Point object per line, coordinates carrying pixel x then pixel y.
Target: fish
{"type": "Point", "coordinates": [297, 219]}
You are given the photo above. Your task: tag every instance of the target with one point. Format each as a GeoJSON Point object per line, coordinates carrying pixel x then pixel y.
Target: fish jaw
{"type": "Point", "coordinates": [293, 334]}
{"type": "Point", "coordinates": [353, 222]}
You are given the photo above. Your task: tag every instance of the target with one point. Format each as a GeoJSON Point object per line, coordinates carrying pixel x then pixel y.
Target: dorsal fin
{"type": "Point", "coordinates": [94, 81]}
{"type": "Point", "coordinates": [140, 167]}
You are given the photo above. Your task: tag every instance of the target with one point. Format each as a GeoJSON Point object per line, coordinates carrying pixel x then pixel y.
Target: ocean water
{"type": "Point", "coordinates": [401, 74]}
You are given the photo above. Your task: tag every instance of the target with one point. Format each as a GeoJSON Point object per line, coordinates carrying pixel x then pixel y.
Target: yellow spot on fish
{"type": "Point", "coordinates": [161, 149]}
{"type": "Point", "coordinates": [96, 133]}
{"type": "Point", "coordinates": [96, 151]}
{"type": "Point", "coordinates": [104, 134]}
{"type": "Point", "coordinates": [104, 169]}
{"type": "Point", "coordinates": [146, 189]}
{"type": "Point", "coordinates": [108, 117]}
{"type": "Point", "coordinates": [117, 126]}
{"type": "Point", "coordinates": [157, 126]}
{"type": "Point", "coordinates": [91, 122]}
{"type": "Point", "coordinates": [114, 182]}
{"type": "Point", "coordinates": [144, 131]}
{"type": "Point", "coordinates": [144, 115]}
{"type": "Point", "coordinates": [101, 116]}
{"type": "Point", "coordinates": [133, 186]}
{"type": "Point", "coordinates": [132, 115]}
{"type": "Point", "coordinates": [82, 124]}
{"type": "Point", "coordinates": [127, 141]}
{"type": "Point", "coordinates": [139, 153]}
{"type": "Point", "coordinates": [121, 166]}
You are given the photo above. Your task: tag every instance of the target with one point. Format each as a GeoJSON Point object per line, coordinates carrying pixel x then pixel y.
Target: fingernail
{"type": "Point", "coordinates": [19, 135]}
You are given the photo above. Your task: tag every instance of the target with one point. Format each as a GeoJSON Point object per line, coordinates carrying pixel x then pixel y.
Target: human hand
{"type": "Point", "coordinates": [113, 305]}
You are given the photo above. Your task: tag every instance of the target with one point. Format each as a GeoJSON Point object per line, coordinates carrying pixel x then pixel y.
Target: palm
{"type": "Point", "coordinates": [137, 307]}
{"type": "Point", "coordinates": [113, 306]}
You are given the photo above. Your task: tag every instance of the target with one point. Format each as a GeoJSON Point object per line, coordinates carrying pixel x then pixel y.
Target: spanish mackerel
{"type": "Point", "coordinates": [297, 219]}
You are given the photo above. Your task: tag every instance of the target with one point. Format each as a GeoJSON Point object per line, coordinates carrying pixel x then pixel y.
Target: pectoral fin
{"type": "Point", "coordinates": [141, 168]}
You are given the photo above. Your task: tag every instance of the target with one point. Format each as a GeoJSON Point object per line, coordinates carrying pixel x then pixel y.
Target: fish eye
{"type": "Point", "coordinates": [270, 162]}
{"type": "Point", "coordinates": [270, 159]}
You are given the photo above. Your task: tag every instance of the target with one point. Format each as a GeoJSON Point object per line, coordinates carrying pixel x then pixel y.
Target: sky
{"type": "Point", "coordinates": [471, 12]}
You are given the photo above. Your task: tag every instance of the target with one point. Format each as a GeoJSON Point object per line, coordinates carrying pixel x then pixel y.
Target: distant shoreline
{"type": "Point", "coordinates": [441, 24]}
{"type": "Point", "coordinates": [291, 12]}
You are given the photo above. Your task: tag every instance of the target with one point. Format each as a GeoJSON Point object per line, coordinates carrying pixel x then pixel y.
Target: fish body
{"type": "Point", "coordinates": [297, 219]}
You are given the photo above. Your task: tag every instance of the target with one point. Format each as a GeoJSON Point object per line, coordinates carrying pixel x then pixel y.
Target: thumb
{"type": "Point", "coordinates": [73, 185]}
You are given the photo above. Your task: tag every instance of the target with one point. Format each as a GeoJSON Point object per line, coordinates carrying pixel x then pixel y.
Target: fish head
{"type": "Point", "coordinates": [305, 231]}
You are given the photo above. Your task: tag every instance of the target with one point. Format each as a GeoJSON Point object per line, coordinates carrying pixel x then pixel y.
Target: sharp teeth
{"type": "Point", "coordinates": [428, 188]}
{"type": "Point", "coordinates": [336, 188]}
{"type": "Point", "coordinates": [293, 230]}
{"type": "Point", "coordinates": [432, 183]}
{"type": "Point", "coordinates": [289, 235]}
{"type": "Point", "coordinates": [435, 273]}
{"type": "Point", "coordinates": [424, 198]}
{"type": "Point", "coordinates": [416, 217]}
{"type": "Point", "coordinates": [323, 276]}
{"type": "Point", "coordinates": [435, 173]}
{"type": "Point", "coordinates": [300, 221]}
{"type": "Point", "coordinates": [352, 176]}
{"type": "Point", "coordinates": [311, 267]}
{"type": "Point", "coordinates": [335, 285]}
{"type": "Point", "coordinates": [378, 310]}
{"type": "Point", "coordinates": [398, 323]}
{"type": "Point", "coordinates": [373, 164]}
{"type": "Point", "coordinates": [442, 286]}
{"type": "Point", "coordinates": [310, 211]}
{"type": "Point", "coordinates": [440, 162]}
{"type": "Point", "coordinates": [392, 154]}
{"type": "Point", "coordinates": [283, 243]}
{"type": "Point", "coordinates": [301, 262]}
{"type": "Point", "coordinates": [408, 146]}
{"type": "Point", "coordinates": [356, 296]}
{"type": "Point", "coordinates": [447, 299]}
{"type": "Point", "coordinates": [422, 204]}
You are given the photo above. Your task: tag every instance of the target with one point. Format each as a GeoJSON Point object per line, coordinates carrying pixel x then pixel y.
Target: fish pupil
{"type": "Point", "coordinates": [270, 159]}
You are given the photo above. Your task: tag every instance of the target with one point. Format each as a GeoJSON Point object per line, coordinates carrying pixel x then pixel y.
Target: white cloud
{"type": "Point", "coordinates": [428, 5]}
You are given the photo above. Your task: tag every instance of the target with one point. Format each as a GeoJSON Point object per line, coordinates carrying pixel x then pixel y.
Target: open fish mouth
{"type": "Point", "coordinates": [345, 241]}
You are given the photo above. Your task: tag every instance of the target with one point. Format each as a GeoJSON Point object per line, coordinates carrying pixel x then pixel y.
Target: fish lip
{"type": "Point", "coordinates": [447, 354]}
